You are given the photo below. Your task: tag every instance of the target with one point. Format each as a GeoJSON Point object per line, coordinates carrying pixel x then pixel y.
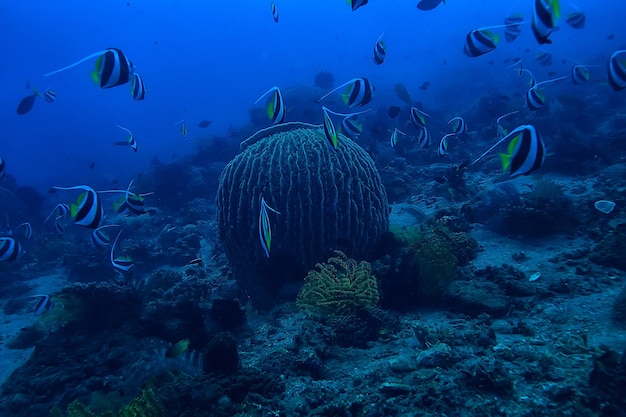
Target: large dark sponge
{"type": "Point", "coordinates": [327, 200]}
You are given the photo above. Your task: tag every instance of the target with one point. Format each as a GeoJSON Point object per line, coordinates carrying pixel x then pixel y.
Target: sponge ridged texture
{"type": "Point", "coordinates": [327, 200]}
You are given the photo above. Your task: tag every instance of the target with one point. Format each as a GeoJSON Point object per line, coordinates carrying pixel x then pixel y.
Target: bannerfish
{"type": "Point", "coordinates": [576, 20]}
{"type": "Point", "coordinates": [545, 15]}
{"type": "Point", "coordinates": [183, 128]}
{"type": "Point", "coordinates": [265, 229]}
{"type": "Point", "coordinates": [131, 203]}
{"type": "Point", "coordinates": [459, 127]}
{"type": "Point", "coordinates": [480, 41]}
{"type": "Point", "coordinates": [417, 117]}
{"type": "Point", "coordinates": [122, 264]}
{"type": "Point", "coordinates": [351, 127]}
{"type": "Point", "coordinates": [443, 144]}
{"type": "Point", "coordinates": [87, 211]}
{"type": "Point", "coordinates": [526, 151]}
{"type": "Point", "coordinates": [3, 166]}
{"type": "Point", "coordinates": [28, 230]}
{"type": "Point", "coordinates": [10, 249]}
{"type": "Point", "coordinates": [274, 12]}
{"type": "Point", "coordinates": [276, 106]}
{"type": "Point", "coordinates": [130, 140]}
{"type": "Point", "coordinates": [535, 98]}
{"type": "Point", "coordinates": [359, 92]}
{"type": "Point", "coordinates": [112, 68]}
{"type": "Point", "coordinates": [513, 27]}
{"type": "Point", "coordinates": [380, 50]}
{"type": "Point", "coordinates": [580, 74]}
{"type": "Point", "coordinates": [394, 137]}
{"type": "Point", "coordinates": [330, 134]}
{"type": "Point", "coordinates": [137, 87]}
{"type": "Point", "coordinates": [544, 58]}
{"type": "Point", "coordinates": [44, 304]}
{"type": "Point", "coordinates": [617, 71]}
{"type": "Point", "coordinates": [100, 238]}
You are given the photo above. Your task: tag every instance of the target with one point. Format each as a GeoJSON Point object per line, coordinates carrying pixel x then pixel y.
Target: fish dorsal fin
{"type": "Point", "coordinates": [95, 54]}
{"type": "Point", "coordinates": [275, 88]}
{"type": "Point", "coordinates": [336, 88]}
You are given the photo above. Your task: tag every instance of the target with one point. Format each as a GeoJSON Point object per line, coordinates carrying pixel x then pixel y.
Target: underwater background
{"type": "Point", "coordinates": [222, 233]}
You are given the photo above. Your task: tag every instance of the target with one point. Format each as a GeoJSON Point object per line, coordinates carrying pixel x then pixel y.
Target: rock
{"type": "Point", "coordinates": [476, 297]}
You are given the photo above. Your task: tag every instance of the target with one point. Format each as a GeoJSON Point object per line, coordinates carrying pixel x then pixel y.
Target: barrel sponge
{"type": "Point", "coordinates": [327, 201]}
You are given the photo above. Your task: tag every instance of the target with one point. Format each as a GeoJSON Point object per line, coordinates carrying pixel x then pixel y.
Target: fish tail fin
{"type": "Point", "coordinates": [95, 54]}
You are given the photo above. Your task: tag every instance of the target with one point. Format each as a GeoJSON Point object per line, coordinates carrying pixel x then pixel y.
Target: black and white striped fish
{"type": "Point", "coordinates": [526, 151]}
{"type": "Point", "coordinates": [380, 50]}
{"type": "Point", "coordinates": [545, 15]}
{"type": "Point", "coordinates": [359, 92]}
{"type": "Point", "coordinates": [276, 111]}
{"type": "Point", "coordinates": [10, 249]}
{"type": "Point", "coordinates": [617, 70]}
{"type": "Point", "coordinates": [131, 203]}
{"type": "Point", "coordinates": [87, 211]}
{"type": "Point", "coordinates": [443, 144]}
{"type": "Point", "coordinates": [479, 42]}
{"type": "Point", "coordinates": [351, 127]}
{"type": "Point", "coordinates": [100, 238]}
{"type": "Point", "coordinates": [122, 264]}
{"type": "Point", "coordinates": [137, 87]}
{"type": "Point", "coordinates": [28, 230]}
{"type": "Point", "coordinates": [576, 20]}
{"type": "Point", "coordinates": [265, 229]}
{"type": "Point", "coordinates": [513, 27]}
{"type": "Point", "coordinates": [459, 127]}
{"type": "Point", "coordinates": [580, 74]}
{"type": "Point", "coordinates": [535, 98]}
{"type": "Point", "coordinates": [112, 68]}
{"type": "Point", "coordinates": [3, 166]}
{"type": "Point", "coordinates": [44, 304]}
{"type": "Point", "coordinates": [130, 140]}
{"type": "Point", "coordinates": [274, 12]}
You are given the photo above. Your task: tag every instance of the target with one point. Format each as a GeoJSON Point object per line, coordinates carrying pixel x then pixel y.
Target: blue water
{"type": "Point", "coordinates": [211, 60]}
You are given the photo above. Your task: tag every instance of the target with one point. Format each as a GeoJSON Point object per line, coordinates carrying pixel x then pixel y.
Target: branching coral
{"type": "Point", "coordinates": [339, 287]}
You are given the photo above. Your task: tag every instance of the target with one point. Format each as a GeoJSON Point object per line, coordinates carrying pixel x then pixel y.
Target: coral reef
{"type": "Point", "coordinates": [339, 287]}
{"type": "Point", "coordinates": [610, 250]}
{"type": "Point", "coordinates": [327, 200]}
{"type": "Point", "coordinates": [545, 209]}
{"type": "Point", "coordinates": [427, 267]}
